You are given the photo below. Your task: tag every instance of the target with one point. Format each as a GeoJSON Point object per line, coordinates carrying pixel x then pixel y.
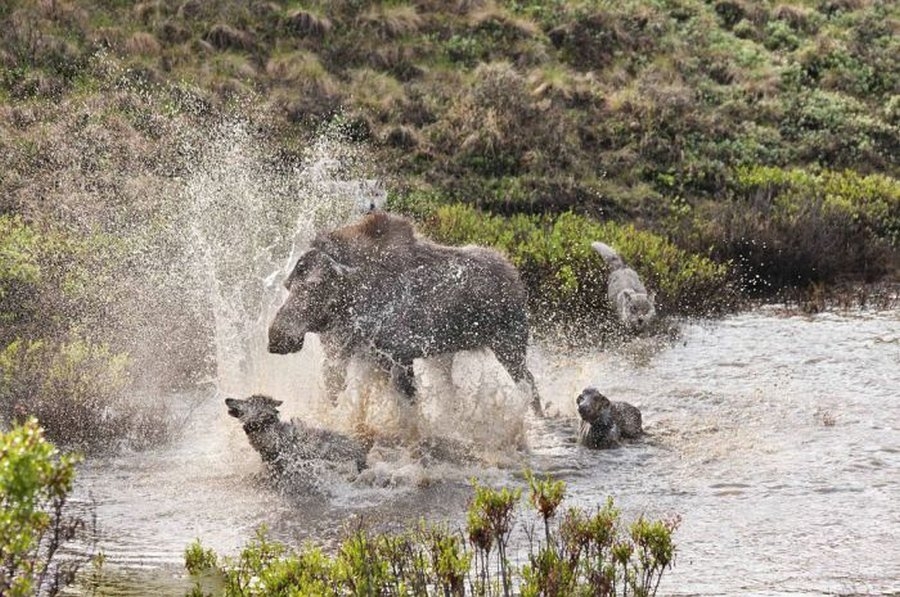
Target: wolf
{"type": "Point", "coordinates": [604, 423]}
{"type": "Point", "coordinates": [292, 450]}
{"type": "Point", "coordinates": [633, 304]}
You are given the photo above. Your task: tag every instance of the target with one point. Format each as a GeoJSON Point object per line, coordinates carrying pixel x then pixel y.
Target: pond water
{"type": "Point", "coordinates": [775, 437]}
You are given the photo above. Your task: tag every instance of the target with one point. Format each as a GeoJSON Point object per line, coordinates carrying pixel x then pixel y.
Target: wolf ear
{"type": "Point", "coordinates": [267, 400]}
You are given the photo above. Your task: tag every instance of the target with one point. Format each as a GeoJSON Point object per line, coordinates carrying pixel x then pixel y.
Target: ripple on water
{"type": "Point", "coordinates": [774, 438]}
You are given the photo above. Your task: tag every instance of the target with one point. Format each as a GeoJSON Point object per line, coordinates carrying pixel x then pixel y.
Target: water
{"type": "Point", "coordinates": [774, 437]}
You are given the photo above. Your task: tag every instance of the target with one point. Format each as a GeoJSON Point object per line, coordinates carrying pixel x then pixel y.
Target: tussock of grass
{"type": "Point", "coordinates": [143, 44]}
{"type": "Point", "coordinates": [307, 23]}
{"type": "Point", "coordinates": [391, 21]}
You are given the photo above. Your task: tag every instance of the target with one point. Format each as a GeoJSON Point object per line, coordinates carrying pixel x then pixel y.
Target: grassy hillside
{"type": "Point", "coordinates": [633, 111]}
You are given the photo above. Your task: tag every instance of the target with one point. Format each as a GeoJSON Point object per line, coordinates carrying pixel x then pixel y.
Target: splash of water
{"type": "Point", "coordinates": [248, 225]}
{"type": "Point", "coordinates": [244, 216]}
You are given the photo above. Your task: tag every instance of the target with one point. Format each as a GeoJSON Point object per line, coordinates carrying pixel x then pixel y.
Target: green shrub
{"type": "Point", "coordinates": [565, 275]}
{"type": "Point", "coordinates": [19, 269]}
{"type": "Point", "coordinates": [582, 555]}
{"type": "Point", "coordinates": [77, 390]}
{"type": "Point", "coordinates": [836, 130]}
{"type": "Point", "coordinates": [35, 483]}
{"type": "Point", "coordinates": [872, 202]}
{"type": "Point", "coordinates": [796, 227]}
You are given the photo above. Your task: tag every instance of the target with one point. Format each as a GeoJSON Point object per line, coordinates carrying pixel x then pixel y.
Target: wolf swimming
{"type": "Point", "coordinates": [292, 450]}
{"type": "Point", "coordinates": [604, 423]}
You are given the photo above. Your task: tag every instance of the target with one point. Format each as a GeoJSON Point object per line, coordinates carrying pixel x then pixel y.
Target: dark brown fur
{"type": "Point", "coordinates": [375, 289]}
{"type": "Point", "coordinates": [377, 232]}
{"type": "Point", "coordinates": [604, 423]}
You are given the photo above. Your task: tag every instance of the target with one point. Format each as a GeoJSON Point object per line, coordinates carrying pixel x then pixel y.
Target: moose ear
{"type": "Point", "coordinates": [339, 268]}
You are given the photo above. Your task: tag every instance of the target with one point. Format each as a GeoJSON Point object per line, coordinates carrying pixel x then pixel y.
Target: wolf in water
{"type": "Point", "coordinates": [634, 305]}
{"type": "Point", "coordinates": [292, 450]}
{"type": "Point", "coordinates": [604, 423]}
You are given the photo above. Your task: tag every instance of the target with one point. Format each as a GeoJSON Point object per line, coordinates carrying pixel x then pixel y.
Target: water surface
{"type": "Point", "coordinates": [775, 437]}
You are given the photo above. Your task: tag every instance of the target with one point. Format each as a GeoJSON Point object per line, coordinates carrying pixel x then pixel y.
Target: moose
{"type": "Point", "coordinates": [375, 289]}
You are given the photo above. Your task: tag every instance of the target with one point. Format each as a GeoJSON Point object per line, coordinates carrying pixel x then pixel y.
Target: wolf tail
{"type": "Point", "coordinates": [609, 255]}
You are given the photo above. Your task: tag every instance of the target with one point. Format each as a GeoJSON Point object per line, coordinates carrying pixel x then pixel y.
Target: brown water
{"type": "Point", "coordinates": [775, 437]}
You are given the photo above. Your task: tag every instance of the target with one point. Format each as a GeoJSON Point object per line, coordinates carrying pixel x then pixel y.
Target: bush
{"type": "Point", "coordinates": [584, 554]}
{"type": "Point", "coordinates": [565, 276]}
{"type": "Point", "coordinates": [795, 227]}
{"type": "Point", "coordinates": [76, 389]}
{"type": "Point", "coordinates": [35, 483]}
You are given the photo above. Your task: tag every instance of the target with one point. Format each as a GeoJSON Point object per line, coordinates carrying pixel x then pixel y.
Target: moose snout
{"type": "Point", "coordinates": [281, 342]}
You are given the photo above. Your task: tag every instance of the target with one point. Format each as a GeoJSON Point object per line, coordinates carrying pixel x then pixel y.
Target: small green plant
{"type": "Point", "coordinates": [449, 561]}
{"type": "Point", "coordinates": [359, 566]}
{"type": "Point", "coordinates": [584, 555]}
{"type": "Point", "coordinates": [655, 550]}
{"type": "Point", "coordinates": [546, 496]}
{"type": "Point", "coordinates": [35, 483]}
{"type": "Point", "coordinates": [198, 559]}
{"type": "Point", "coordinates": [492, 512]}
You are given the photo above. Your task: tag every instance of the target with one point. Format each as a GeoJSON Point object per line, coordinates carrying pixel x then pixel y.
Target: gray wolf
{"type": "Point", "coordinates": [293, 450]}
{"type": "Point", "coordinates": [633, 304]}
{"type": "Point", "coordinates": [604, 423]}
{"type": "Point", "coordinates": [375, 289]}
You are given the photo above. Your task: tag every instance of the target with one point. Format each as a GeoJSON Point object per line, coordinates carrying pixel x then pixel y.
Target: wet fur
{"type": "Point", "coordinates": [633, 304]}
{"type": "Point", "coordinates": [392, 297]}
{"type": "Point", "coordinates": [290, 448]}
{"type": "Point", "coordinates": [604, 423]}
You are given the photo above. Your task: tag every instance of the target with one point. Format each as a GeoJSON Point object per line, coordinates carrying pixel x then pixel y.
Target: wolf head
{"type": "Point", "coordinates": [593, 406]}
{"type": "Point", "coordinates": [254, 412]}
{"type": "Point", "coordinates": [636, 308]}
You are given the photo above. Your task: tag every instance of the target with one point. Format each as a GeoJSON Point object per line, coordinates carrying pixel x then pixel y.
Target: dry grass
{"type": "Point", "coordinates": [142, 43]}
{"type": "Point", "coordinates": [225, 37]}
{"type": "Point", "coordinates": [299, 68]}
{"type": "Point", "coordinates": [306, 23]}
{"type": "Point", "coordinates": [493, 16]}
{"type": "Point", "coordinates": [559, 83]}
{"type": "Point", "coordinates": [799, 18]}
{"type": "Point", "coordinates": [377, 94]}
{"type": "Point", "coordinates": [391, 22]}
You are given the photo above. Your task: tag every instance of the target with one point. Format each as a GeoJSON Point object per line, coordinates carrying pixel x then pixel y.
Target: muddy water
{"type": "Point", "coordinates": [776, 438]}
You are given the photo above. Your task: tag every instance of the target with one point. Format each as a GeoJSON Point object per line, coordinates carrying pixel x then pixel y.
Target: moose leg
{"type": "Point", "coordinates": [403, 379]}
{"type": "Point", "coordinates": [514, 362]}
{"type": "Point", "coordinates": [335, 371]}
{"type": "Point", "coordinates": [334, 368]}
{"type": "Point", "coordinates": [528, 378]}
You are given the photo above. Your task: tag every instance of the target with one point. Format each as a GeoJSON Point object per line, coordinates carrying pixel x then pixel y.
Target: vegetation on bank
{"type": "Point", "coordinates": [728, 148]}
{"type": "Point", "coordinates": [601, 107]}
{"type": "Point", "coordinates": [573, 553]}
{"type": "Point", "coordinates": [35, 483]}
